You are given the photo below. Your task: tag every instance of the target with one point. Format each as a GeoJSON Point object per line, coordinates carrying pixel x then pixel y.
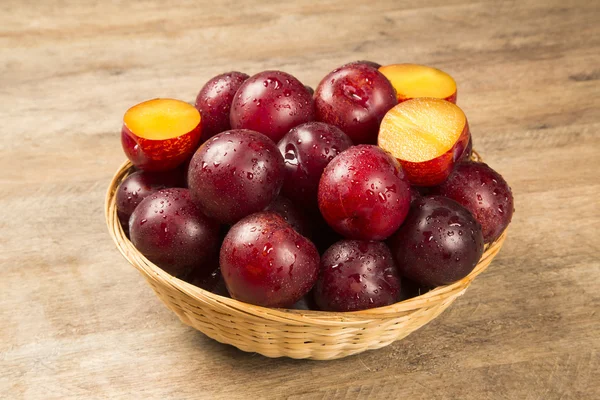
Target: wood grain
{"type": "Point", "coordinates": [79, 322]}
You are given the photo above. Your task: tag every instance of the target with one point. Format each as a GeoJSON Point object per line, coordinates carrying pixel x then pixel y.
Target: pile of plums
{"type": "Point", "coordinates": [358, 195]}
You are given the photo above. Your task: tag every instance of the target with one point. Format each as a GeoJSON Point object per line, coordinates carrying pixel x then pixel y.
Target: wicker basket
{"type": "Point", "coordinates": [315, 335]}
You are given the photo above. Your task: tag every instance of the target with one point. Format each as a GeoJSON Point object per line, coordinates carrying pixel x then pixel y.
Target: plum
{"type": "Point", "coordinates": [171, 231]}
{"type": "Point", "coordinates": [305, 303]}
{"type": "Point", "coordinates": [212, 282]}
{"type": "Point", "coordinates": [414, 80]}
{"type": "Point", "coordinates": [322, 235]}
{"type": "Point", "coordinates": [410, 289]}
{"type": "Point", "coordinates": [234, 174]}
{"type": "Point", "coordinates": [439, 243]}
{"type": "Point", "coordinates": [355, 97]}
{"type": "Point", "coordinates": [414, 194]}
{"type": "Point", "coordinates": [265, 262]}
{"type": "Point", "coordinates": [292, 215]}
{"type": "Point", "coordinates": [214, 102]}
{"type": "Point", "coordinates": [364, 194]}
{"type": "Point", "coordinates": [306, 150]}
{"type": "Point", "coordinates": [356, 275]}
{"type": "Point", "coordinates": [428, 136]}
{"type": "Point", "coordinates": [139, 185]}
{"type": "Point", "coordinates": [203, 280]}
{"type": "Point", "coordinates": [272, 103]}
{"type": "Point", "coordinates": [160, 134]}
{"type": "Point", "coordinates": [483, 192]}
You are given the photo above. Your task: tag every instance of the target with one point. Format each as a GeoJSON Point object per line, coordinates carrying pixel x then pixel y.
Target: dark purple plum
{"type": "Point", "coordinates": [201, 279]}
{"type": "Point", "coordinates": [234, 174]}
{"type": "Point", "coordinates": [292, 215]}
{"type": "Point", "coordinates": [421, 190]}
{"type": "Point", "coordinates": [364, 193]}
{"type": "Point", "coordinates": [410, 289]}
{"type": "Point", "coordinates": [439, 243]}
{"type": "Point", "coordinates": [323, 235]}
{"type": "Point", "coordinates": [355, 97]}
{"type": "Point", "coordinates": [306, 150]}
{"type": "Point", "coordinates": [356, 275]}
{"type": "Point", "coordinates": [170, 230]}
{"type": "Point", "coordinates": [414, 194]}
{"type": "Point", "coordinates": [483, 192]}
{"type": "Point", "coordinates": [139, 185]}
{"type": "Point", "coordinates": [214, 102]}
{"type": "Point", "coordinates": [213, 282]}
{"type": "Point", "coordinates": [265, 262]}
{"type": "Point", "coordinates": [221, 288]}
{"type": "Point", "coordinates": [305, 303]}
{"type": "Point", "coordinates": [272, 103]}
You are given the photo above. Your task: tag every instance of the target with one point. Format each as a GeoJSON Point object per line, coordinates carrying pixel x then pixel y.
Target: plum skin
{"type": "Point", "coordinates": [483, 192]}
{"type": "Point", "coordinates": [306, 150]}
{"type": "Point", "coordinates": [272, 103]}
{"type": "Point", "coordinates": [322, 235]}
{"type": "Point", "coordinates": [265, 262]}
{"type": "Point", "coordinates": [291, 214]}
{"type": "Point", "coordinates": [440, 242]}
{"type": "Point", "coordinates": [159, 155]}
{"type": "Point", "coordinates": [305, 303]}
{"type": "Point", "coordinates": [212, 282]}
{"type": "Point", "coordinates": [410, 289]}
{"type": "Point", "coordinates": [437, 170]}
{"type": "Point", "coordinates": [214, 102]}
{"type": "Point", "coordinates": [364, 194]}
{"type": "Point", "coordinates": [169, 229]}
{"type": "Point", "coordinates": [414, 194]}
{"type": "Point", "coordinates": [357, 275]}
{"type": "Point", "coordinates": [139, 185]}
{"type": "Point", "coordinates": [234, 174]}
{"type": "Point", "coordinates": [355, 98]}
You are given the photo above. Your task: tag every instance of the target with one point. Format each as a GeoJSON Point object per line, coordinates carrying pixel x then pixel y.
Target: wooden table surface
{"type": "Point", "coordinates": [78, 322]}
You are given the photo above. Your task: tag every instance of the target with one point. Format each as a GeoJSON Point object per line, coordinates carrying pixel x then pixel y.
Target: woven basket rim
{"type": "Point", "coordinates": [290, 316]}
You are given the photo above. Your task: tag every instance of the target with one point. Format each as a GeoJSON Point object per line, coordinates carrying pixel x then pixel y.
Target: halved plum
{"type": "Point", "coordinates": [160, 134]}
{"type": "Point", "coordinates": [428, 136]}
{"type": "Point", "coordinates": [415, 80]}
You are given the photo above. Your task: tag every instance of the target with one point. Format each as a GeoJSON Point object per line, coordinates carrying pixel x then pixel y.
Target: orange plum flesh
{"type": "Point", "coordinates": [413, 80]}
{"type": "Point", "coordinates": [428, 136]}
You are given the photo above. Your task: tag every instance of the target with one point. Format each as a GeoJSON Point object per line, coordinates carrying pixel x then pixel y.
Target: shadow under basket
{"type": "Point", "coordinates": [316, 335]}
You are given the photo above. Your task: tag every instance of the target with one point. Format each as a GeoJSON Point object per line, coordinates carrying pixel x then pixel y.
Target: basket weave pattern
{"type": "Point", "coordinates": [315, 335]}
